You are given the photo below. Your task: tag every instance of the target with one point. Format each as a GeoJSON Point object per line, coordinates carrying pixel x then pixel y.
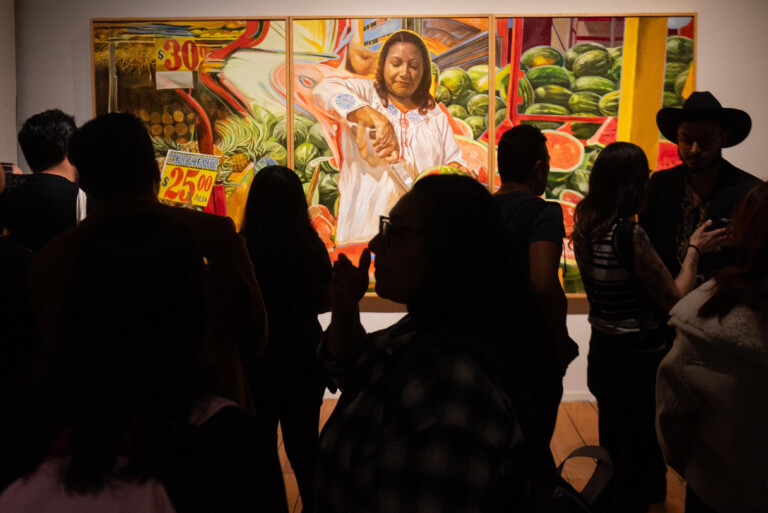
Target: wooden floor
{"type": "Point", "coordinates": [576, 426]}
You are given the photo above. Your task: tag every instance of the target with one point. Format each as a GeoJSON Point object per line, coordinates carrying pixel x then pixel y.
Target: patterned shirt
{"type": "Point", "coordinates": [451, 425]}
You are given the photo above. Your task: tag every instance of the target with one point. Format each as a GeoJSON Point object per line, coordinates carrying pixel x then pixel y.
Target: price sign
{"type": "Point", "coordinates": [188, 177]}
{"type": "Point", "coordinates": [182, 54]}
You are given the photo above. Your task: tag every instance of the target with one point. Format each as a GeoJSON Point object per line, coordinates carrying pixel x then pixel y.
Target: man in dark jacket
{"type": "Point", "coordinates": [117, 168]}
{"type": "Point", "coordinates": [705, 186]}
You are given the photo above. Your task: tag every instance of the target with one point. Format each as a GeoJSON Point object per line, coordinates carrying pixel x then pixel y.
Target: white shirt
{"type": "Point", "coordinates": [368, 189]}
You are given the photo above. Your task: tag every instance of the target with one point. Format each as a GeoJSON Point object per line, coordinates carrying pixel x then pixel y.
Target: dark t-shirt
{"type": "Point", "coordinates": [40, 209]}
{"type": "Point", "coordinates": [547, 225]}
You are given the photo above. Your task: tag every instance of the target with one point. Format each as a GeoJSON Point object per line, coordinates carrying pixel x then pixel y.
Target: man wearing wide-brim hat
{"type": "Point", "coordinates": [705, 186]}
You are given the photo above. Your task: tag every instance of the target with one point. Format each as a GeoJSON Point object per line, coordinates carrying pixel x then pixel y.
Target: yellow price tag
{"type": "Point", "coordinates": [188, 177]}
{"type": "Point", "coordinates": [183, 54]}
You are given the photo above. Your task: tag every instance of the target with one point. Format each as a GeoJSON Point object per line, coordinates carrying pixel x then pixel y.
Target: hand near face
{"type": "Point", "coordinates": [349, 283]}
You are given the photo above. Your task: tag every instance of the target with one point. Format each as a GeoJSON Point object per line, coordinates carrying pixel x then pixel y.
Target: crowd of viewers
{"type": "Point", "coordinates": [153, 350]}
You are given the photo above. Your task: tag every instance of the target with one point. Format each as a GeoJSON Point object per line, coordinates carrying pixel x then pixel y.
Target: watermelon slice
{"type": "Point", "coordinates": [565, 151]}
{"type": "Point", "coordinates": [475, 153]}
{"type": "Point", "coordinates": [606, 134]}
{"type": "Point", "coordinates": [668, 156]}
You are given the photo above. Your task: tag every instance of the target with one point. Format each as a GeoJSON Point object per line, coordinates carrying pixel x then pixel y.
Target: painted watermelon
{"type": "Point", "coordinates": [474, 152]}
{"type": "Point", "coordinates": [679, 49]}
{"type": "Point", "coordinates": [547, 109]}
{"type": "Point", "coordinates": [565, 151]}
{"type": "Point", "coordinates": [609, 104]}
{"type": "Point", "coordinates": [597, 85]}
{"type": "Point", "coordinates": [577, 50]}
{"type": "Point", "coordinates": [524, 91]}
{"type": "Point", "coordinates": [548, 75]}
{"type": "Point", "coordinates": [542, 56]}
{"type": "Point", "coordinates": [584, 101]}
{"type": "Point", "coordinates": [592, 63]}
{"type": "Point", "coordinates": [554, 94]}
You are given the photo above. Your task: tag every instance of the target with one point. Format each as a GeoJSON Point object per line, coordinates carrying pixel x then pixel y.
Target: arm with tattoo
{"type": "Point", "coordinates": [654, 275]}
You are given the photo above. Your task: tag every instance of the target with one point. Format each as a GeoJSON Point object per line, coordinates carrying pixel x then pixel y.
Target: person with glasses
{"type": "Point", "coordinates": [424, 421]}
{"type": "Point", "coordinates": [623, 275]}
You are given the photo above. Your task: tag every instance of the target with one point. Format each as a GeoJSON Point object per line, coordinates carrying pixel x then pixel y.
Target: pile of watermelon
{"type": "Point", "coordinates": [465, 94]}
{"type": "Point", "coordinates": [585, 82]}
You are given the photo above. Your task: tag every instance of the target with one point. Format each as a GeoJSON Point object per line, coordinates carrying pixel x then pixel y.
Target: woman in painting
{"type": "Point", "coordinates": [712, 387]}
{"type": "Point", "coordinates": [623, 275]}
{"type": "Point", "coordinates": [392, 130]}
{"type": "Point", "coordinates": [291, 263]}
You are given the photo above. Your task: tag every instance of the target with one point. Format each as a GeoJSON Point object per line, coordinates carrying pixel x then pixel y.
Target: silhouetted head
{"type": "Point", "coordinates": [434, 252]}
{"type": "Point", "coordinates": [523, 156]}
{"type": "Point", "coordinates": [619, 177]}
{"type": "Point", "coordinates": [114, 156]}
{"type": "Point", "coordinates": [276, 198]}
{"type": "Point", "coordinates": [44, 139]}
{"type": "Point", "coordinates": [419, 80]}
{"type": "Point", "coordinates": [617, 190]}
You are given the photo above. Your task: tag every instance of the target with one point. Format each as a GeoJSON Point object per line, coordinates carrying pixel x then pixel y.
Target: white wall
{"type": "Point", "coordinates": [7, 83]}
{"type": "Point", "coordinates": [54, 69]}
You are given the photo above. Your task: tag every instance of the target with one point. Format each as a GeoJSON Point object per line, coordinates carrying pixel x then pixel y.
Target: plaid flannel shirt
{"type": "Point", "coordinates": [452, 426]}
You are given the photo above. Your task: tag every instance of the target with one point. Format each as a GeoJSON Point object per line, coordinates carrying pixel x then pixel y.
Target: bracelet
{"type": "Point", "coordinates": [696, 248]}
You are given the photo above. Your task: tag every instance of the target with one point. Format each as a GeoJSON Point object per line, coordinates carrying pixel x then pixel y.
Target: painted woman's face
{"type": "Point", "coordinates": [403, 69]}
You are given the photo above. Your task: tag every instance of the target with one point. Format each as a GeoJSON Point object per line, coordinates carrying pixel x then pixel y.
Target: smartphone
{"type": "Point", "coordinates": [722, 222]}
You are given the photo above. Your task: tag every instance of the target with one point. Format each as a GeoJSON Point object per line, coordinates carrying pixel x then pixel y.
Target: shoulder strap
{"type": "Point", "coordinates": [624, 245]}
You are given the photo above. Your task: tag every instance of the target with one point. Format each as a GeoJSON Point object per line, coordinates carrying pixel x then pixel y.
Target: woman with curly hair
{"type": "Point", "coordinates": [392, 130]}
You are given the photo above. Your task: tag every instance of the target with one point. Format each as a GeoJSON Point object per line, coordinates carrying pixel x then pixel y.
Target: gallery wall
{"type": "Point", "coordinates": [7, 83]}
{"type": "Point", "coordinates": [53, 66]}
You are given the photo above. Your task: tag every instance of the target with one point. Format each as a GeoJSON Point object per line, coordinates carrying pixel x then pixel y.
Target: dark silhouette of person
{"type": "Point", "coordinates": [712, 387]}
{"type": "Point", "coordinates": [537, 232]}
{"type": "Point", "coordinates": [121, 412]}
{"type": "Point", "coordinates": [424, 422]}
{"type": "Point", "coordinates": [46, 203]}
{"type": "Point", "coordinates": [116, 164]}
{"type": "Point", "coordinates": [292, 265]}
{"type": "Point", "coordinates": [623, 276]}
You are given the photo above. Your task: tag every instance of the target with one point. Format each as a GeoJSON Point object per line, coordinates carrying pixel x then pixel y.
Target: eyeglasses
{"type": "Point", "coordinates": [386, 226]}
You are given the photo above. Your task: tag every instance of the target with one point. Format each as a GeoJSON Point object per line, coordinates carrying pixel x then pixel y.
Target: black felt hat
{"type": "Point", "coordinates": [703, 105]}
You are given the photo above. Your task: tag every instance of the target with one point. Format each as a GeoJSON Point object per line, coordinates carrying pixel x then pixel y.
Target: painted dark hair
{"type": "Point", "coordinates": [746, 281]}
{"type": "Point", "coordinates": [617, 188]}
{"type": "Point", "coordinates": [421, 97]}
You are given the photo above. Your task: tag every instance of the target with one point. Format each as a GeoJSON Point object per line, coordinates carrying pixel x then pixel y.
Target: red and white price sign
{"type": "Point", "coordinates": [188, 177]}
{"type": "Point", "coordinates": [182, 54]}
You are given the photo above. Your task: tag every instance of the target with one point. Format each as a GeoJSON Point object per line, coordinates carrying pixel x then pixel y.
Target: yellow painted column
{"type": "Point", "coordinates": [642, 82]}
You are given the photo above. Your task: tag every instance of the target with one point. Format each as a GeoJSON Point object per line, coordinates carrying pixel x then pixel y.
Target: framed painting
{"type": "Point", "coordinates": [221, 87]}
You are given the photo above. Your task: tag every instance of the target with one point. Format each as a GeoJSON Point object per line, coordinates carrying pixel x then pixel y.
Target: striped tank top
{"type": "Point", "coordinates": [617, 302]}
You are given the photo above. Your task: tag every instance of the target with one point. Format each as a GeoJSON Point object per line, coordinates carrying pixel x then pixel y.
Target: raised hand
{"type": "Point", "coordinates": [707, 240]}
